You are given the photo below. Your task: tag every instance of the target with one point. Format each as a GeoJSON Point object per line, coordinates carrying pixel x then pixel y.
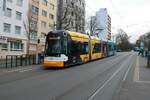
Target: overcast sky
{"type": "Point", "coordinates": [131, 15]}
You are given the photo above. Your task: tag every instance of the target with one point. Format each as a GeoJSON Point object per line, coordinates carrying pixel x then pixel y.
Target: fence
{"type": "Point", "coordinates": [11, 61]}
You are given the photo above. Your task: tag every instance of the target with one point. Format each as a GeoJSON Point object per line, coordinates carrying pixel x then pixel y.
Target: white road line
{"type": "Point", "coordinates": [136, 71]}
{"type": "Point", "coordinates": [114, 74]}
{"type": "Point", "coordinates": [21, 71]}
{"type": "Point", "coordinates": [126, 74]}
{"type": "Point", "coordinates": [18, 70]}
{"type": "Point", "coordinates": [147, 82]}
{"type": "Point", "coordinates": [11, 71]}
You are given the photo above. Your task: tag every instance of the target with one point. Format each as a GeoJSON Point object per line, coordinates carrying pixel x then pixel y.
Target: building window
{"type": "Point", "coordinates": [44, 13]}
{"type": "Point", "coordinates": [33, 35]}
{"type": "Point", "coordinates": [35, 10]}
{"type": "Point", "coordinates": [8, 12]}
{"type": "Point", "coordinates": [4, 46]}
{"type": "Point", "coordinates": [52, 6]}
{"type": "Point", "coordinates": [51, 16]}
{"type": "Point", "coordinates": [18, 15]}
{"type": "Point", "coordinates": [19, 2]}
{"type": "Point", "coordinates": [17, 30]}
{"type": "Point", "coordinates": [34, 23]}
{"type": "Point", "coordinates": [37, 1]}
{"type": "Point", "coordinates": [43, 24]}
{"type": "Point", "coordinates": [44, 2]}
{"type": "Point", "coordinates": [16, 46]}
{"type": "Point", "coordinates": [7, 28]}
{"type": "Point", "coordinates": [43, 35]}
{"type": "Point", "coordinates": [51, 25]}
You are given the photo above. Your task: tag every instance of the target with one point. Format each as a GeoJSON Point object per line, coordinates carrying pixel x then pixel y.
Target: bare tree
{"type": "Point", "coordinates": [122, 40]}
{"type": "Point", "coordinates": [79, 20]}
{"type": "Point", "coordinates": [64, 16]}
{"type": "Point", "coordinates": [26, 24]}
{"type": "Point", "coordinates": [92, 26]}
{"type": "Point", "coordinates": [69, 16]}
{"type": "Point", "coordinates": [145, 39]}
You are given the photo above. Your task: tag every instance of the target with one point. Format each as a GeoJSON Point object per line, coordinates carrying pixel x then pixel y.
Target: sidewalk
{"type": "Point", "coordinates": [137, 85]}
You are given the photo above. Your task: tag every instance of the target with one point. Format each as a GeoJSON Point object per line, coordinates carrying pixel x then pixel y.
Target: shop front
{"type": "Point", "coordinates": [12, 46]}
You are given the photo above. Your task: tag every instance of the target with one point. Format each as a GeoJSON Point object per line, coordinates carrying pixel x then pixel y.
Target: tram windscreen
{"type": "Point", "coordinates": [53, 46]}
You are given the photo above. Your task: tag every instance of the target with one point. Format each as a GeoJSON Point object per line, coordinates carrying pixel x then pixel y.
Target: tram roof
{"type": "Point", "coordinates": [77, 34]}
{"type": "Point", "coordinates": [73, 34]}
{"type": "Point", "coordinates": [59, 32]}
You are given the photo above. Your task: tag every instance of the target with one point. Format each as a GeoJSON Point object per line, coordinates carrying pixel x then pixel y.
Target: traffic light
{"type": "Point", "coordinates": [38, 41]}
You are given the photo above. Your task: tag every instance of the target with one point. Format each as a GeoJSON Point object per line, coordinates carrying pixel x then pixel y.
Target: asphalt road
{"type": "Point", "coordinates": [98, 80]}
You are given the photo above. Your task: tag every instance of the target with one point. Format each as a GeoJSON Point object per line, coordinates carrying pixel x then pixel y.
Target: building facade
{"type": "Point", "coordinates": [46, 20]}
{"type": "Point", "coordinates": [12, 32]}
{"type": "Point", "coordinates": [104, 24]}
{"type": "Point", "coordinates": [42, 18]}
{"type": "Point", "coordinates": [24, 23]}
{"type": "Point", "coordinates": [71, 15]}
{"type": "Point", "coordinates": [32, 24]}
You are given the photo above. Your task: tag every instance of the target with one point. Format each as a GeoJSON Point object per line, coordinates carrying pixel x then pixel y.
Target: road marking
{"type": "Point", "coordinates": [147, 82]}
{"type": "Point", "coordinates": [21, 71]}
{"type": "Point", "coordinates": [107, 81]}
{"type": "Point", "coordinates": [136, 71]}
{"type": "Point", "coordinates": [11, 71]}
{"type": "Point", "coordinates": [18, 70]}
{"type": "Point", "coordinates": [127, 72]}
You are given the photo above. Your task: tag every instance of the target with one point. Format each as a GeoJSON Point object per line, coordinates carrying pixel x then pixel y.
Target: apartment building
{"type": "Point", "coordinates": [104, 24]}
{"type": "Point", "coordinates": [32, 24]}
{"type": "Point", "coordinates": [71, 15]}
{"type": "Point", "coordinates": [46, 20]}
{"type": "Point", "coordinates": [12, 32]}
{"type": "Point", "coordinates": [42, 19]}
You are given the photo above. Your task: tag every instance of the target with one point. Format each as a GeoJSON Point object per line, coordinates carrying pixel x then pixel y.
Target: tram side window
{"type": "Point", "coordinates": [64, 43]}
{"type": "Point", "coordinates": [110, 47]}
{"type": "Point", "coordinates": [84, 48]}
{"type": "Point", "coordinates": [74, 50]}
{"type": "Point", "coordinates": [97, 48]}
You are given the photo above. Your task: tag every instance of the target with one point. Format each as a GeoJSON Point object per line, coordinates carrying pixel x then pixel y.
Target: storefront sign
{"type": "Point", "coordinates": [3, 39]}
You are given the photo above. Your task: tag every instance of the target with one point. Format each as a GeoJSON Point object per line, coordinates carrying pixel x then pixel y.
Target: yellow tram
{"type": "Point", "coordinates": [65, 48]}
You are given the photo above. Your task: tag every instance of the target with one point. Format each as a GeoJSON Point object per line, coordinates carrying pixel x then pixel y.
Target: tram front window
{"type": "Point", "coordinates": [53, 47]}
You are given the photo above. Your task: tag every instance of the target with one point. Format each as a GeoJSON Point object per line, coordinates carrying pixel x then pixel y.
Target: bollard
{"type": "Point", "coordinates": [21, 60]}
{"type": "Point", "coordinates": [6, 61]}
{"type": "Point", "coordinates": [11, 61]}
{"type": "Point", "coordinates": [29, 59]}
{"type": "Point", "coordinates": [26, 62]}
{"type": "Point", "coordinates": [148, 61]}
{"type": "Point", "coordinates": [16, 61]}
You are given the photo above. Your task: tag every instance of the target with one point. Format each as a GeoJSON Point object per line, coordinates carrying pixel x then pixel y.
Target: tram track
{"type": "Point", "coordinates": [37, 72]}
{"type": "Point", "coordinates": [104, 73]}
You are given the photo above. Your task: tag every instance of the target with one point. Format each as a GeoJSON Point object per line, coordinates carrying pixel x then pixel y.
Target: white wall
{"type": "Point", "coordinates": [102, 20]}
{"type": "Point", "coordinates": [13, 21]}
